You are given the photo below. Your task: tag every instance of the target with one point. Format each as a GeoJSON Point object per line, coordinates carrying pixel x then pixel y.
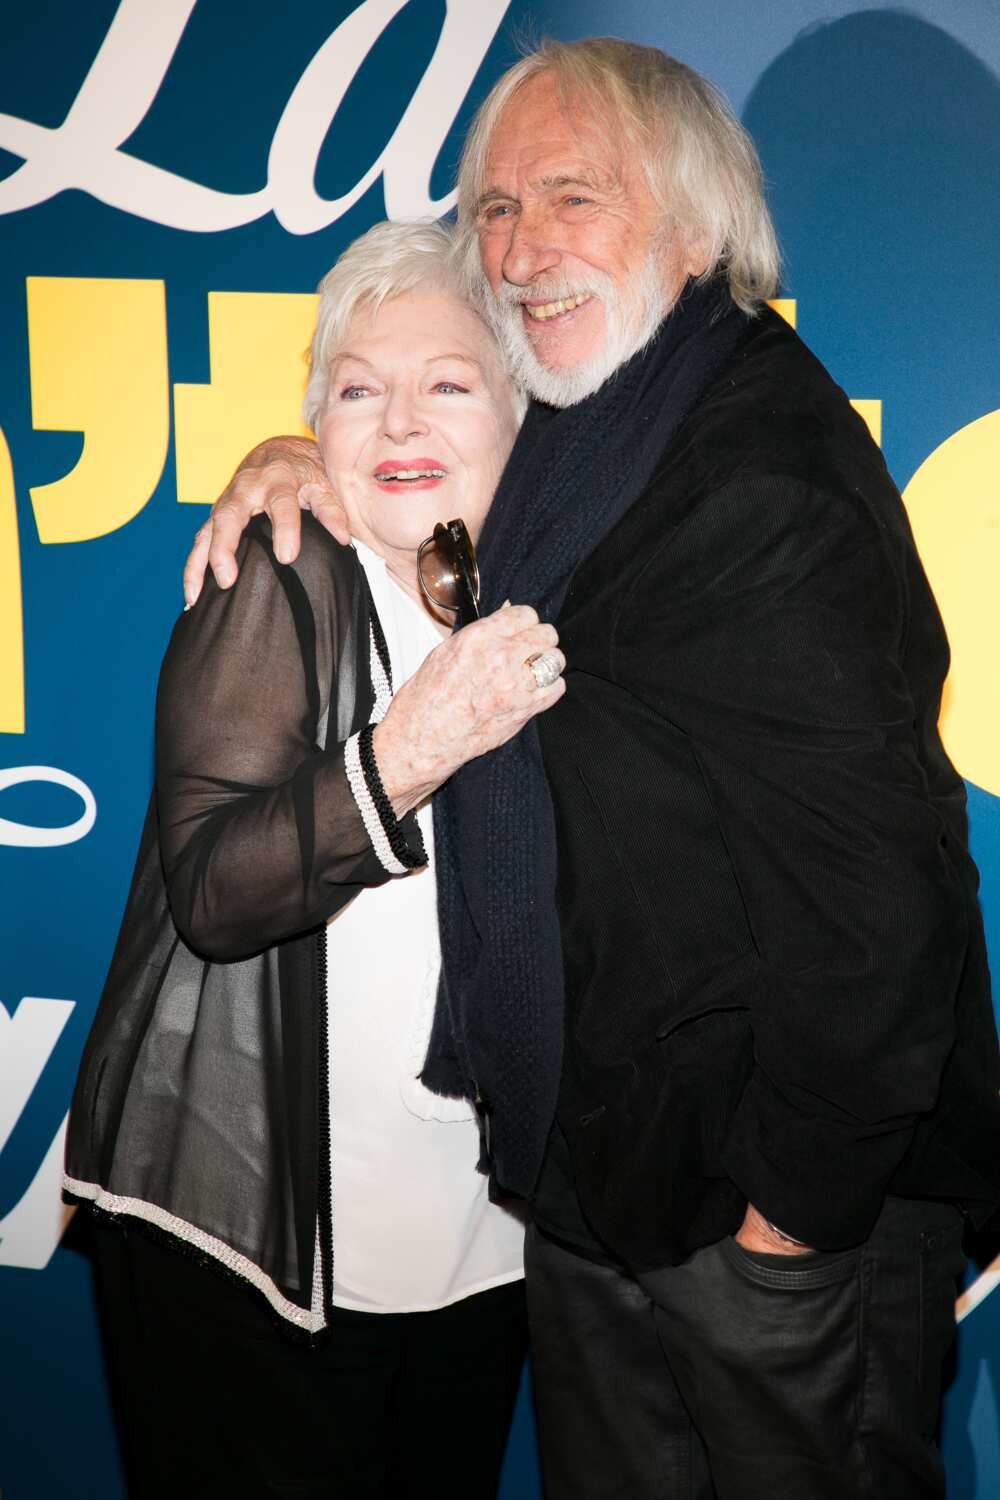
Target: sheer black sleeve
{"type": "Point", "coordinates": [261, 837]}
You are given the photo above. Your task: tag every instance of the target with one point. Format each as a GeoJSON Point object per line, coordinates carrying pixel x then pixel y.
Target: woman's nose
{"type": "Point", "coordinates": [403, 417]}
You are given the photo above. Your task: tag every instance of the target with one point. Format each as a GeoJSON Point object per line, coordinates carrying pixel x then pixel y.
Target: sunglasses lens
{"type": "Point", "coordinates": [448, 572]}
{"type": "Point", "coordinates": [436, 567]}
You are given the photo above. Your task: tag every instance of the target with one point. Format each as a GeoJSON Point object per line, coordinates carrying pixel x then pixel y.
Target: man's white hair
{"type": "Point", "coordinates": [387, 261]}
{"type": "Point", "coordinates": [701, 165]}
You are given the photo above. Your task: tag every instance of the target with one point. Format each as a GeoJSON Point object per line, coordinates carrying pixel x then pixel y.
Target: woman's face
{"type": "Point", "coordinates": [418, 423]}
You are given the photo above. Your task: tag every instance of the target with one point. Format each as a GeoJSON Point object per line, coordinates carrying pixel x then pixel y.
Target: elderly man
{"type": "Point", "coordinates": [714, 968]}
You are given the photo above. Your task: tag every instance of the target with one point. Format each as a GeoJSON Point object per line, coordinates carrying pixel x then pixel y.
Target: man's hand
{"type": "Point", "coordinates": [280, 477]}
{"type": "Point", "coordinates": [757, 1233]}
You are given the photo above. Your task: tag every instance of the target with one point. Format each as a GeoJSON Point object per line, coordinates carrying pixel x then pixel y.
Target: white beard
{"type": "Point", "coordinates": [631, 318]}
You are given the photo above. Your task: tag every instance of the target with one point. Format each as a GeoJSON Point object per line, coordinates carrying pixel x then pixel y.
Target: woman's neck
{"type": "Point", "coordinates": [402, 569]}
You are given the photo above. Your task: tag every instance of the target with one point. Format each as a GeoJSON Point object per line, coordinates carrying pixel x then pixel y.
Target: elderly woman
{"type": "Point", "coordinates": [250, 1098]}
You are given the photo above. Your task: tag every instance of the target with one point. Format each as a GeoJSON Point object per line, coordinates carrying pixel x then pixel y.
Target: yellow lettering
{"type": "Point", "coordinates": [954, 505]}
{"type": "Point", "coordinates": [11, 619]}
{"type": "Point", "coordinates": [99, 366]}
{"type": "Point", "coordinates": [259, 343]}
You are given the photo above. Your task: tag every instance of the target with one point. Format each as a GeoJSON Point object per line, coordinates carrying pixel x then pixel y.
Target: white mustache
{"type": "Point", "coordinates": [510, 297]}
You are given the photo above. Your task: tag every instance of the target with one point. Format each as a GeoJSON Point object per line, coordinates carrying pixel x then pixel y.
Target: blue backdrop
{"type": "Point", "coordinates": [175, 175]}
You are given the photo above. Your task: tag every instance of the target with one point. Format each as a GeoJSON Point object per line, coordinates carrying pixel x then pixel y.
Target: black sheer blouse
{"type": "Point", "coordinates": [201, 1105]}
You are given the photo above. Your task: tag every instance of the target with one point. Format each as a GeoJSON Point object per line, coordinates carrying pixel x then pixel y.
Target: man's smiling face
{"type": "Point", "coordinates": [571, 244]}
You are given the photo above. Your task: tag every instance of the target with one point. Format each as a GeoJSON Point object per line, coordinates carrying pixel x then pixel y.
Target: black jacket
{"type": "Point", "coordinates": [775, 969]}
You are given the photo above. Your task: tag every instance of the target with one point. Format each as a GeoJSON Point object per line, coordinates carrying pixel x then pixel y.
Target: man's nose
{"type": "Point", "coordinates": [530, 252]}
{"type": "Point", "coordinates": [403, 416]}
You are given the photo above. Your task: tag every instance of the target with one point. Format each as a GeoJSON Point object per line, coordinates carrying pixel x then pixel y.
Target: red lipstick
{"type": "Point", "coordinates": [416, 473]}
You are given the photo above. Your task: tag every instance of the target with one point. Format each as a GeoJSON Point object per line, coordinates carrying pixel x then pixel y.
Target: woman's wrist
{"type": "Point", "coordinates": [406, 783]}
{"type": "Point", "coordinates": [399, 850]}
{"type": "Point", "coordinates": [408, 856]}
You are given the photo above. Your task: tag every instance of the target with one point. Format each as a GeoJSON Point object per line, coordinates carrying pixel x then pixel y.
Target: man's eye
{"type": "Point", "coordinates": [497, 211]}
{"type": "Point", "coordinates": [575, 201]}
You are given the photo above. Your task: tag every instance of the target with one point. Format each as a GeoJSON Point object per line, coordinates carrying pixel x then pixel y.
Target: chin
{"type": "Point", "coordinates": [566, 383]}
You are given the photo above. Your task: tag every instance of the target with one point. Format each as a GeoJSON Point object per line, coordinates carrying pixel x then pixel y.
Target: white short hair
{"type": "Point", "coordinates": [701, 165]}
{"type": "Point", "coordinates": [387, 261]}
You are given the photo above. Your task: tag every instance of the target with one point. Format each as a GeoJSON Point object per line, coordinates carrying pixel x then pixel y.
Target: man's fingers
{"type": "Point", "coordinates": [327, 509]}
{"type": "Point", "coordinates": [197, 562]}
{"type": "Point", "coordinates": [278, 476]}
{"type": "Point", "coordinates": [228, 520]}
{"type": "Point", "coordinates": [282, 506]}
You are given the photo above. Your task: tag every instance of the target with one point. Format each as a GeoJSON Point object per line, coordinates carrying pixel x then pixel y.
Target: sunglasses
{"type": "Point", "coordinates": [448, 571]}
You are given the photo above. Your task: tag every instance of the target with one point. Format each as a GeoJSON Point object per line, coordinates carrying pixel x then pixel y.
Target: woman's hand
{"type": "Point", "coordinates": [473, 693]}
{"type": "Point", "coordinates": [281, 477]}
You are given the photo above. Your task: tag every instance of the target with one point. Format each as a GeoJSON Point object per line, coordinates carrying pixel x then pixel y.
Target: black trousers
{"type": "Point", "coordinates": [217, 1400]}
{"type": "Point", "coordinates": [743, 1376]}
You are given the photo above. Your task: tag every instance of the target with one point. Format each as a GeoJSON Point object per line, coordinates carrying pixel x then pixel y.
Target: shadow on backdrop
{"type": "Point", "coordinates": [878, 135]}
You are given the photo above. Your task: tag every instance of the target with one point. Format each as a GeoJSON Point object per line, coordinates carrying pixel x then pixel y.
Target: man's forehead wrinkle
{"type": "Point", "coordinates": [537, 123]}
{"type": "Point", "coordinates": [587, 177]}
{"type": "Point", "coordinates": [542, 175]}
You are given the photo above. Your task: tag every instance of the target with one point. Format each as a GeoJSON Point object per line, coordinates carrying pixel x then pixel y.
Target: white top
{"type": "Point", "coordinates": [413, 1228]}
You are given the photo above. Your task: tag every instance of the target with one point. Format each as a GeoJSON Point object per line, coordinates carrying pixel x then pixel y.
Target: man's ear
{"type": "Point", "coordinates": [697, 255]}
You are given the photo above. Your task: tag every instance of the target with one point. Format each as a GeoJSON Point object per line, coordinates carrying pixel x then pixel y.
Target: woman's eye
{"type": "Point", "coordinates": [451, 388]}
{"type": "Point", "coordinates": [353, 392]}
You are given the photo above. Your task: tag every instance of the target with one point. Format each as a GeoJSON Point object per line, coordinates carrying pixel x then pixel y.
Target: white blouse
{"type": "Point", "coordinates": [413, 1228]}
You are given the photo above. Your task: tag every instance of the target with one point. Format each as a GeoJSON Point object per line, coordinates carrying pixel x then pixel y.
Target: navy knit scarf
{"type": "Point", "coordinates": [498, 1029]}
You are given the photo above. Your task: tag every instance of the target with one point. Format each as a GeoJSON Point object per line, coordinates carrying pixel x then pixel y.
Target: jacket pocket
{"type": "Point", "coordinates": [649, 1163]}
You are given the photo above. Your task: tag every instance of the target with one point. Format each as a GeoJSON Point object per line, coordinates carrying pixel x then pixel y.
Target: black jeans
{"type": "Point", "coordinates": [742, 1376]}
{"type": "Point", "coordinates": [217, 1399]}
